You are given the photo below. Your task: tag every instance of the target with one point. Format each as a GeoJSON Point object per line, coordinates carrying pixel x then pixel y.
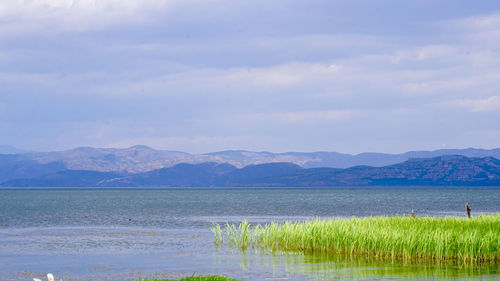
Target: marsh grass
{"type": "Point", "coordinates": [408, 238]}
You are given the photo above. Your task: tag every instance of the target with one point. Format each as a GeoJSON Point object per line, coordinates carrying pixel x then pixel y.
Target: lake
{"type": "Point", "coordinates": [125, 234]}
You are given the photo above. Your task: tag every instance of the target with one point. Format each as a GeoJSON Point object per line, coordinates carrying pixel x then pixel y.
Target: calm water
{"type": "Point", "coordinates": [123, 234]}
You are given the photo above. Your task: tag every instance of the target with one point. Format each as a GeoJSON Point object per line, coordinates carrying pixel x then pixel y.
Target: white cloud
{"type": "Point", "coordinates": [425, 53]}
{"type": "Point", "coordinates": [282, 75]}
{"type": "Point", "coordinates": [220, 82]}
{"type": "Point", "coordinates": [475, 23]}
{"type": "Point", "coordinates": [325, 115]}
{"type": "Point", "coordinates": [266, 79]}
{"type": "Point", "coordinates": [74, 15]}
{"type": "Point", "coordinates": [296, 117]}
{"type": "Point", "coordinates": [477, 32]}
{"type": "Point", "coordinates": [28, 78]}
{"type": "Point", "coordinates": [457, 83]}
{"type": "Point", "coordinates": [490, 104]}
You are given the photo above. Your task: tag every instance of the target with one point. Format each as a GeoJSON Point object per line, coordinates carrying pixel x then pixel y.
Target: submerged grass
{"type": "Point", "coordinates": [450, 238]}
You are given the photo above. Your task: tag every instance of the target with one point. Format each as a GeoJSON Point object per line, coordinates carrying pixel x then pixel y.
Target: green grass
{"type": "Point", "coordinates": [450, 238]}
{"type": "Point", "coordinates": [198, 278]}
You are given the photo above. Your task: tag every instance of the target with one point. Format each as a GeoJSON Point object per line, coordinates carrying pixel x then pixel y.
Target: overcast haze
{"type": "Point", "coordinates": [200, 76]}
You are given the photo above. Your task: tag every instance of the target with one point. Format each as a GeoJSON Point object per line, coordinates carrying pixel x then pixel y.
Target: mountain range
{"type": "Point", "coordinates": [450, 170]}
{"type": "Point", "coordinates": [138, 159]}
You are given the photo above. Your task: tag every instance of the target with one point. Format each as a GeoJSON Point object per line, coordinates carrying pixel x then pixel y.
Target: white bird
{"type": "Point", "coordinates": [36, 279]}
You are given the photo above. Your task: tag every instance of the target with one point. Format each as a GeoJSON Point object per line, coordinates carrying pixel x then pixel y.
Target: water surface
{"type": "Point", "coordinates": [122, 234]}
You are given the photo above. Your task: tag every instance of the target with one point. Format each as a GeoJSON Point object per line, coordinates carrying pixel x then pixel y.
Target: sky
{"type": "Point", "coordinates": [200, 76]}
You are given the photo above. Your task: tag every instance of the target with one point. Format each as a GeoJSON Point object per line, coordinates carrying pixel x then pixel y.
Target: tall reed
{"type": "Point", "coordinates": [450, 238]}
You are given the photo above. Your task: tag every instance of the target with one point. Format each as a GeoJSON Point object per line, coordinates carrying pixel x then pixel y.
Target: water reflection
{"type": "Point", "coordinates": [294, 266]}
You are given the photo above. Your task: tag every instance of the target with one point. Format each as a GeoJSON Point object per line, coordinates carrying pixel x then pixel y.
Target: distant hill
{"type": "Point", "coordinates": [20, 166]}
{"type": "Point", "coordinates": [66, 178]}
{"type": "Point", "coordinates": [180, 175]}
{"type": "Point", "coordinates": [134, 159]}
{"type": "Point", "coordinates": [8, 149]}
{"type": "Point", "coordinates": [143, 159]}
{"type": "Point", "coordinates": [451, 170]}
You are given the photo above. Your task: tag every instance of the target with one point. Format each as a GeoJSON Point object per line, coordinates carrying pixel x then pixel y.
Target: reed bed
{"type": "Point", "coordinates": [450, 238]}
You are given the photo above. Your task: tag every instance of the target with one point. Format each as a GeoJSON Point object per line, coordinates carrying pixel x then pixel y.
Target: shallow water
{"type": "Point", "coordinates": [123, 234]}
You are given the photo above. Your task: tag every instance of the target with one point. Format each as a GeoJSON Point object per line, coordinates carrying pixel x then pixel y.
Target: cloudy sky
{"type": "Point", "coordinates": [207, 75]}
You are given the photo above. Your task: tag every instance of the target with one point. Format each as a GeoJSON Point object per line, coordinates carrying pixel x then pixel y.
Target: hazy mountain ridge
{"type": "Point", "coordinates": [9, 149]}
{"type": "Point", "coordinates": [444, 170]}
{"type": "Point", "coordinates": [133, 159]}
{"type": "Point", "coordinates": [142, 158]}
{"type": "Point", "coordinates": [19, 166]}
{"type": "Point", "coordinates": [66, 178]}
